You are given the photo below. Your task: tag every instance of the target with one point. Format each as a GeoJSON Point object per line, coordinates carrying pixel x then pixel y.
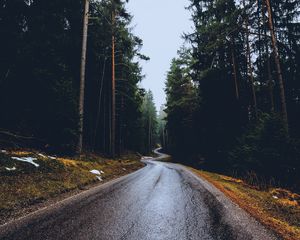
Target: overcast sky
{"type": "Point", "coordinates": [160, 24]}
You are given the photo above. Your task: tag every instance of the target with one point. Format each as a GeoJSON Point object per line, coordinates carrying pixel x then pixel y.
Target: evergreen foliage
{"type": "Point", "coordinates": [231, 118]}
{"type": "Point", "coordinates": [149, 123]}
{"type": "Point", "coordinates": [40, 49]}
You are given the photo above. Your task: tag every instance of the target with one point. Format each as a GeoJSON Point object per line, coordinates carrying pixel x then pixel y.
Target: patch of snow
{"type": "Point", "coordinates": [146, 157]}
{"type": "Point", "coordinates": [275, 197]}
{"type": "Point", "coordinates": [11, 169]}
{"type": "Point", "coordinates": [99, 178]}
{"type": "Point", "coordinates": [124, 169]}
{"type": "Point", "coordinates": [96, 172]}
{"type": "Point", "coordinates": [27, 159]}
{"type": "Point", "coordinates": [3, 151]}
{"type": "Point", "coordinates": [53, 158]}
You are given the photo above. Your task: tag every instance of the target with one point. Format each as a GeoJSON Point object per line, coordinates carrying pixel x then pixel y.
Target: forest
{"type": "Point", "coordinates": [233, 92]}
{"type": "Point", "coordinates": [98, 141]}
{"type": "Point", "coordinates": [41, 72]}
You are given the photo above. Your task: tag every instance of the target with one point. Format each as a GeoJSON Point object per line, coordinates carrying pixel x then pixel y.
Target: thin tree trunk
{"type": "Point", "coordinates": [113, 91]}
{"type": "Point", "coordinates": [278, 67]}
{"type": "Point", "coordinates": [82, 75]}
{"type": "Point", "coordinates": [259, 8]}
{"type": "Point", "coordinates": [237, 94]}
{"type": "Point", "coordinates": [99, 103]}
{"type": "Point", "coordinates": [104, 124]}
{"type": "Point", "coordinates": [270, 82]}
{"type": "Point", "coordinates": [250, 70]}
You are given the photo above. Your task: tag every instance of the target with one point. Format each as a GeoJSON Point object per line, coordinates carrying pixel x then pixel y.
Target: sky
{"type": "Point", "coordinates": [160, 24]}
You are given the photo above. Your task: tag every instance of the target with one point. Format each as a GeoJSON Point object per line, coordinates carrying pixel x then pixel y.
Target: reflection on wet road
{"type": "Point", "coordinates": [160, 201]}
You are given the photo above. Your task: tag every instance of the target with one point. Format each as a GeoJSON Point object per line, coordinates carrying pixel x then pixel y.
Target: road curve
{"type": "Point", "coordinates": [161, 201]}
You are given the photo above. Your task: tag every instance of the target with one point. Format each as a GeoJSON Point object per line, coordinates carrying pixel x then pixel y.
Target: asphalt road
{"type": "Point", "coordinates": [160, 201]}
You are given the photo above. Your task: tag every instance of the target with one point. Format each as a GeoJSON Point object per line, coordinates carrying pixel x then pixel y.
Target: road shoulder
{"type": "Point", "coordinates": [271, 208]}
{"type": "Point", "coordinates": [29, 188]}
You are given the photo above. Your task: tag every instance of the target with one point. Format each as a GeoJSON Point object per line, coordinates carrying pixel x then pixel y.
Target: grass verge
{"type": "Point", "coordinates": [24, 185]}
{"type": "Point", "coordinates": [278, 209]}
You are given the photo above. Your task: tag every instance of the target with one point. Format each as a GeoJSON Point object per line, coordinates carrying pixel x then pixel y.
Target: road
{"type": "Point", "coordinates": [161, 201]}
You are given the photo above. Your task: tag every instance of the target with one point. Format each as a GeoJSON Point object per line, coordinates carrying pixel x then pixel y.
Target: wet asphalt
{"type": "Point", "coordinates": [162, 201]}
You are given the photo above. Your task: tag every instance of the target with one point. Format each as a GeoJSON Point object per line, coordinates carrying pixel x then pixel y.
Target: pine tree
{"type": "Point", "coordinates": [39, 74]}
{"type": "Point", "coordinates": [149, 122]}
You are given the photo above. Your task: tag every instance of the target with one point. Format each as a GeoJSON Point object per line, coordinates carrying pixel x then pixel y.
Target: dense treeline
{"type": "Point", "coordinates": [233, 96]}
{"type": "Point", "coordinates": [40, 50]}
{"type": "Point", "coordinates": [149, 123]}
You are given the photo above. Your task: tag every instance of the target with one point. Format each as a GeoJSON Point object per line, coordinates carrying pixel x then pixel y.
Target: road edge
{"type": "Point", "coordinates": [60, 202]}
{"type": "Point", "coordinates": [233, 201]}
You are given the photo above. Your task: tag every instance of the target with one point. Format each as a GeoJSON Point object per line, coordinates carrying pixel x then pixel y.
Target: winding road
{"type": "Point", "coordinates": [161, 201]}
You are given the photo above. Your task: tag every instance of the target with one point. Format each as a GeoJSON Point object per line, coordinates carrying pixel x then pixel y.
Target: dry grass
{"type": "Point", "coordinates": [278, 209]}
{"type": "Point", "coordinates": [28, 185]}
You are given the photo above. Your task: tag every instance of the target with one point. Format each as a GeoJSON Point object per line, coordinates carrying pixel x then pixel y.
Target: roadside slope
{"type": "Point", "coordinates": [276, 208]}
{"type": "Point", "coordinates": [29, 181]}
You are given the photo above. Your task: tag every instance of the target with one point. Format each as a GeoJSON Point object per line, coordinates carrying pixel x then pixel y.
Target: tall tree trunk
{"type": "Point", "coordinates": [270, 82]}
{"type": "Point", "coordinates": [250, 68]}
{"type": "Point", "coordinates": [259, 11]}
{"type": "Point", "coordinates": [237, 94]}
{"type": "Point", "coordinates": [113, 90]}
{"type": "Point", "coordinates": [104, 124]}
{"type": "Point", "coordinates": [278, 67]}
{"type": "Point", "coordinates": [82, 74]}
{"type": "Point", "coordinates": [99, 104]}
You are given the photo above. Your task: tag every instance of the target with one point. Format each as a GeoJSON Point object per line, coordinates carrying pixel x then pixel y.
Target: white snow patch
{"type": "Point", "coordinates": [53, 158]}
{"type": "Point", "coordinates": [27, 159]}
{"type": "Point", "coordinates": [98, 174]}
{"type": "Point", "coordinates": [124, 169]}
{"type": "Point", "coordinates": [3, 151]}
{"type": "Point", "coordinates": [146, 157]}
{"type": "Point", "coordinates": [99, 178]}
{"type": "Point", "coordinates": [11, 169]}
{"type": "Point", "coordinates": [275, 197]}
